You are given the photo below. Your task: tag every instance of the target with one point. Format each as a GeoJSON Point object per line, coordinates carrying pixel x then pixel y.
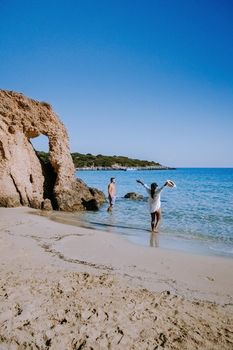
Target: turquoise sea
{"type": "Point", "coordinates": [197, 214]}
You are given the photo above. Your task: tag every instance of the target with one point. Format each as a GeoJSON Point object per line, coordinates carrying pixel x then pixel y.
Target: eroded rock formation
{"type": "Point", "coordinates": [24, 179]}
{"type": "Point", "coordinates": [133, 195]}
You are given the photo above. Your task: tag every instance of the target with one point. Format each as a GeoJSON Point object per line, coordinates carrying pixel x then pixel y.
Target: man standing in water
{"type": "Point", "coordinates": [111, 193]}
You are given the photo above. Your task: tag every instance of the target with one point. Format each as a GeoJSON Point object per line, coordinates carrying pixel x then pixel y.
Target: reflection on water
{"type": "Point", "coordinates": [154, 239]}
{"type": "Point", "coordinates": [112, 222]}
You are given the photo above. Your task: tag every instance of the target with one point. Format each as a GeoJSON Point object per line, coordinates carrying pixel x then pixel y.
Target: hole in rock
{"type": "Point", "coordinates": [41, 143]}
{"type": "Point", "coordinates": [41, 147]}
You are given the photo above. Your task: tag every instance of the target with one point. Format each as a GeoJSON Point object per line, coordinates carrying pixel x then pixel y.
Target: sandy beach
{"type": "Point", "coordinates": [67, 287]}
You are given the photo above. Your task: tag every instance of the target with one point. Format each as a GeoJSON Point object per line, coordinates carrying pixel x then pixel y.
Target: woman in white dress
{"type": "Point", "coordinates": [154, 203]}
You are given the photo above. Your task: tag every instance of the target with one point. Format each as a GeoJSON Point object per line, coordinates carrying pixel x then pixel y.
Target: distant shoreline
{"type": "Point", "coordinates": [125, 168]}
{"type": "Point", "coordinates": [102, 162]}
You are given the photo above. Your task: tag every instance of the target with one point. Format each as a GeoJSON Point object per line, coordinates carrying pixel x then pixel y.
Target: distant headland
{"type": "Point", "coordinates": [103, 162]}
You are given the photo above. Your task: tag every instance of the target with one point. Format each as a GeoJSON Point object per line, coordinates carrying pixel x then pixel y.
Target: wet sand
{"type": "Point", "coordinates": [67, 287]}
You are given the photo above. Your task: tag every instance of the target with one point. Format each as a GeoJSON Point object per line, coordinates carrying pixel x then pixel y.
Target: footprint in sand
{"type": "Point", "coordinates": [210, 278]}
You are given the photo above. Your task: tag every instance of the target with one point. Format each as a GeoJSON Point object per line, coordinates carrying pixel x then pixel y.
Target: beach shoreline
{"type": "Point", "coordinates": [80, 286]}
{"type": "Point", "coordinates": [195, 216]}
{"type": "Point", "coordinates": [144, 237]}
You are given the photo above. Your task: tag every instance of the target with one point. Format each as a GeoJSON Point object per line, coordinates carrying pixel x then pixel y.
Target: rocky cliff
{"type": "Point", "coordinates": [24, 178]}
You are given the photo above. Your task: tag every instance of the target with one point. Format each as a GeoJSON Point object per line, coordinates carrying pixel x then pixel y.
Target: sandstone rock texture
{"type": "Point", "coordinates": [24, 178]}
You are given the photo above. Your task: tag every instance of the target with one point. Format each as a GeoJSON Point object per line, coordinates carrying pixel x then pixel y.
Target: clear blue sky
{"type": "Point", "coordinates": [146, 79]}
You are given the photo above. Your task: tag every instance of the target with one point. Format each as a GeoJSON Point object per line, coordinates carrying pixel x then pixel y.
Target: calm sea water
{"type": "Point", "coordinates": [197, 214]}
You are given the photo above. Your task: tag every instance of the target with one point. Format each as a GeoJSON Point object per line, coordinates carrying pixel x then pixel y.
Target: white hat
{"type": "Point", "coordinates": [171, 183]}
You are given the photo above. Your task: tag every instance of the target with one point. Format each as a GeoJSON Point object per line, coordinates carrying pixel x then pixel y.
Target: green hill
{"type": "Point", "coordinates": [102, 161]}
{"type": "Point", "coordinates": [90, 160]}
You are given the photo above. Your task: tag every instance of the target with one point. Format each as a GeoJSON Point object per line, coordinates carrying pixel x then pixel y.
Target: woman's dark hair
{"type": "Point", "coordinates": [153, 187]}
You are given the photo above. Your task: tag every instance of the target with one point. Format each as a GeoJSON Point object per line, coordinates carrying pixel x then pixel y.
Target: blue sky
{"type": "Point", "coordinates": [146, 79]}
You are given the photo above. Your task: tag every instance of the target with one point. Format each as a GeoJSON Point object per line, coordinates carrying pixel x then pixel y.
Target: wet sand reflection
{"type": "Point", "coordinates": [154, 239]}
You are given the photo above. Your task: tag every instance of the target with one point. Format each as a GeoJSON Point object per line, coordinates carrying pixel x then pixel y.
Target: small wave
{"type": "Point", "coordinates": [116, 226]}
{"type": "Point", "coordinates": [220, 250]}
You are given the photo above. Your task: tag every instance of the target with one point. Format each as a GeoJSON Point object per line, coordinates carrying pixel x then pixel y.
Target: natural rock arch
{"type": "Point", "coordinates": [22, 176]}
